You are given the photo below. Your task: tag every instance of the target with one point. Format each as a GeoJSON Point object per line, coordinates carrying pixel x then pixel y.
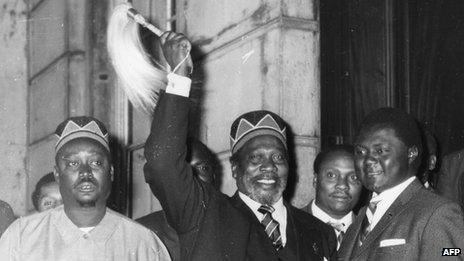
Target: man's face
{"type": "Point", "coordinates": [201, 167]}
{"type": "Point", "coordinates": [337, 186]}
{"type": "Point", "coordinates": [50, 197]}
{"type": "Point", "coordinates": [382, 160]}
{"type": "Point", "coordinates": [84, 173]}
{"type": "Point", "coordinates": [262, 169]}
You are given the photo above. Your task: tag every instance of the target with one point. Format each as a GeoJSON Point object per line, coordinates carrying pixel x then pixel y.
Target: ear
{"type": "Point", "coordinates": [56, 174]}
{"type": "Point", "coordinates": [413, 152]}
{"type": "Point", "coordinates": [432, 162]}
{"type": "Point", "coordinates": [315, 180]}
{"type": "Point", "coordinates": [234, 168]}
{"type": "Point", "coordinates": [112, 173]}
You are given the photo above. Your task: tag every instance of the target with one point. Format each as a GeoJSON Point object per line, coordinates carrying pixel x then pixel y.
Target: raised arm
{"type": "Point", "coordinates": [170, 177]}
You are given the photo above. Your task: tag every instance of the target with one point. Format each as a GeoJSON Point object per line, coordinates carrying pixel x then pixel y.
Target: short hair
{"type": "Point", "coordinates": [45, 180]}
{"type": "Point", "coordinates": [323, 155]}
{"type": "Point", "coordinates": [403, 124]}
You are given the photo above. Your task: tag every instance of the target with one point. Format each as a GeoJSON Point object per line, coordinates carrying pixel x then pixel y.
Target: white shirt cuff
{"type": "Point", "coordinates": [178, 85]}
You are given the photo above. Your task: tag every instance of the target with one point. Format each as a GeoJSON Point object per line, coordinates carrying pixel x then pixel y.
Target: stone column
{"type": "Point", "coordinates": [58, 58]}
{"type": "Point", "coordinates": [258, 54]}
{"type": "Point", "coordinates": [13, 104]}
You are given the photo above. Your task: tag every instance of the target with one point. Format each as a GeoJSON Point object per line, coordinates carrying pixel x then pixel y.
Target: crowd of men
{"type": "Point", "coordinates": [401, 220]}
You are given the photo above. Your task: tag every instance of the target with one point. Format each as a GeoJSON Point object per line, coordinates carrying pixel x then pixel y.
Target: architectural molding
{"type": "Point", "coordinates": [278, 22]}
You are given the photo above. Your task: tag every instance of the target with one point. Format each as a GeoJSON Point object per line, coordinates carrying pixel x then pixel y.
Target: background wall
{"type": "Point", "coordinates": [258, 55]}
{"type": "Point", "coordinates": [13, 104]}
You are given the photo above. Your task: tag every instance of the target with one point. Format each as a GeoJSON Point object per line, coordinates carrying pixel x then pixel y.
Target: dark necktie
{"type": "Point", "coordinates": [271, 227]}
{"type": "Point", "coordinates": [366, 225]}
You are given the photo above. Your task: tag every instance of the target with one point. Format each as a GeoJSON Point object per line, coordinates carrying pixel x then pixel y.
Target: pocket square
{"type": "Point", "coordinates": [392, 242]}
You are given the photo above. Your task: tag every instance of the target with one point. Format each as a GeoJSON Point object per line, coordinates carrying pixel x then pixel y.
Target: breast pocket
{"type": "Point", "coordinates": [398, 252]}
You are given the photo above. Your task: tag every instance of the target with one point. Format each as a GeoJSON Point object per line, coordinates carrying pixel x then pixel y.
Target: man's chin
{"type": "Point", "coordinates": [341, 210]}
{"type": "Point", "coordinates": [87, 203]}
{"type": "Point", "coordinates": [267, 197]}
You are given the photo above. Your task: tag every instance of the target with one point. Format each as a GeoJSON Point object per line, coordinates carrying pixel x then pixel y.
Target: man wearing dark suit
{"type": "Point", "coordinates": [450, 183]}
{"type": "Point", "coordinates": [337, 189]}
{"type": "Point", "coordinates": [205, 166]}
{"type": "Point", "coordinates": [404, 221]}
{"type": "Point", "coordinates": [254, 224]}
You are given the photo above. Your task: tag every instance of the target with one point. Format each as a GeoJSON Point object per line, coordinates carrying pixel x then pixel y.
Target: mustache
{"type": "Point", "coordinates": [267, 175]}
{"type": "Point", "coordinates": [86, 180]}
{"type": "Point", "coordinates": [372, 168]}
{"type": "Point", "coordinates": [340, 194]}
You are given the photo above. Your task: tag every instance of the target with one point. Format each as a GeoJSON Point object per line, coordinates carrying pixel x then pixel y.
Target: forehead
{"type": "Point", "coordinates": [338, 159]}
{"type": "Point", "coordinates": [199, 155]}
{"type": "Point", "coordinates": [49, 187]}
{"type": "Point", "coordinates": [378, 136]}
{"type": "Point", "coordinates": [264, 142]}
{"type": "Point", "coordinates": [79, 145]}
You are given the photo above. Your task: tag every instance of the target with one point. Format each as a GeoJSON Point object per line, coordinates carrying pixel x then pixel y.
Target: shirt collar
{"type": "Point", "coordinates": [324, 217]}
{"type": "Point", "coordinates": [71, 233]}
{"type": "Point", "coordinates": [385, 199]}
{"type": "Point", "coordinates": [279, 214]}
{"type": "Point", "coordinates": [392, 193]}
{"type": "Point", "coordinates": [278, 206]}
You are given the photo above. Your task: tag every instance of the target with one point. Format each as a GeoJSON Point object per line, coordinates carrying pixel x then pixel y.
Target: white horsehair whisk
{"type": "Point", "coordinates": [139, 78]}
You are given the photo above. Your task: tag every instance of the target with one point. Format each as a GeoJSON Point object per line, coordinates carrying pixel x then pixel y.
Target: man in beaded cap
{"type": "Point", "coordinates": [83, 228]}
{"type": "Point", "coordinates": [256, 223]}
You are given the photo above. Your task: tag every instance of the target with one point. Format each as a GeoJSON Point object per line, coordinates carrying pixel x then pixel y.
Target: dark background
{"type": "Point", "coordinates": [394, 53]}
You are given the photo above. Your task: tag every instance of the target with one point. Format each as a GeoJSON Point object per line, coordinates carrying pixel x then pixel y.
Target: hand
{"type": "Point", "coordinates": [175, 48]}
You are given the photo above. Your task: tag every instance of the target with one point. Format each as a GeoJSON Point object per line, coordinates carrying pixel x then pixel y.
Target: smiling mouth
{"type": "Point", "coordinates": [86, 187]}
{"type": "Point", "coordinates": [374, 173]}
{"type": "Point", "coordinates": [266, 181]}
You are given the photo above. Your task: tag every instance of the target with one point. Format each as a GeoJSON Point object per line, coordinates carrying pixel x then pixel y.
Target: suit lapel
{"type": "Point", "coordinates": [393, 211]}
{"type": "Point", "coordinates": [350, 240]}
{"type": "Point", "coordinates": [238, 203]}
{"type": "Point", "coordinates": [235, 230]}
{"type": "Point", "coordinates": [254, 230]}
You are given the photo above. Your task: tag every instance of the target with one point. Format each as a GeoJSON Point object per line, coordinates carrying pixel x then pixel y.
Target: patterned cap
{"type": "Point", "coordinates": [78, 127]}
{"type": "Point", "coordinates": [256, 123]}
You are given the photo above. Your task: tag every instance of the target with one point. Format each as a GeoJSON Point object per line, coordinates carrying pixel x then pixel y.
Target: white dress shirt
{"type": "Point", "coordinates": [178, 85]}
{"type": "Point", "coordinates": [345, 221]}
{"type": "Point", "coordinates": [279, 214]}
{"type": "Point", "coordinates": [385, 200]}
{"type": "Point", "coordinates": [324, 217]}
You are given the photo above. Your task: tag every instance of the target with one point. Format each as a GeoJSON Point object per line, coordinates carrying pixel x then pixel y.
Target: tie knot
{"type": "Point", "coordinates": [373, 206]}
{"type": "Point", "coordinates": [264, 209]}
{"type": "Point", "coordinates": [339, 226]}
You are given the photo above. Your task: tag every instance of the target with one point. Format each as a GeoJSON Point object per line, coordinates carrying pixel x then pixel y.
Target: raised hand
{"type": "Point", "coordinates": [176, 48]}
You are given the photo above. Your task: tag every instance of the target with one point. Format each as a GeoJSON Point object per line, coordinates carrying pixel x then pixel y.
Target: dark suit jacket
{"type": "Point", "coordinates": [157, 223]}
{"type": "Point", "coordinates": [427, 222]}
{"type": "Point", "coordinates": [210, 225]}
{"type": "Point", "coordinates": [450, 180]}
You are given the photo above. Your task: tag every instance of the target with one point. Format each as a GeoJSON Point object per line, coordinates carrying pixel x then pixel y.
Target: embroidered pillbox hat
{"type": "Point", "coordinates": [78, 127]}
{"type": "Point", "coordinates": [256, 123]}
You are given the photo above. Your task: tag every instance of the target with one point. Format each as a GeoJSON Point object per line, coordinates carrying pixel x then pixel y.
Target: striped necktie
{"type": "Point", "coordinates": [271, 227]}
{"type": "Point", "coordinates": [366, 224]}
{"type": "Point", "coordinates": [340, 229]}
